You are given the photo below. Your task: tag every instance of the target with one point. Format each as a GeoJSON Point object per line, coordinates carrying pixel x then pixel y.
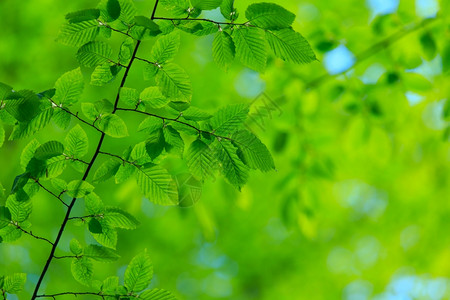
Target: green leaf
{"type": "Point", "coordinates": [5, 216]}
{"type": "Point", "coordinates": [234, 170]}
{"type": "Point", "coordinates": [108, 237]}
{"type": "Point", "coordinates": [173, 140]}
{"type": "Point", "coordinates": [153, 97]}
{"type": "Point", "coordinates": [157, 294]}
{"type": "Point", "coordinates": [22, 105]}
{"type": "Point", "coordinates": [78, 34]}
{"type": "Point", "coordinates": [176, 7]}
{"type": "Point", "coordinates": [228, 11]}
{"type": "Point", "coordinates": [150, 124]}
{"type": "Point", "coordinates": [228, 119]}
{"type": "Point", "coordinates": [251, 47]}
{"type": "Point", "coordinates": [155, 144]}
{"type": "Point", "coordinates": [75, 247]}
{"type": "Point", "coordinates": [94, 53]}
{"type": "Point", "coordinates": [429, 46]}
{"type": "Point", "coordinates": [49, 150]}
{"type": "Point", "coordinates": [55, 166]}
{"type": "Point", "coordinates": [165, 48]}
{"type": "Point", "coordinates": [126, 51]}
{"type": "Point", "coordinates": [129, 96]}
{"type": "Point", "coordinates": [120, 219]}
{"type": "Point", "coordinates": [110, 285]}
{"type": "Point", "coordinates": [79, 188]}
{"type": "Point", "coordinates": [14, 283]}
{"type": "Point", "coordinates": [22, 130]}
{"type": "Point", "coordinates": [144, 28]}
{"type": "Point", "coordinates": [157, 184]}
{"type": "Point", "coordinates": [269, 16]}
{"type": "Point", "coordinates": [94, 205]}
{"type": "Point", "coordinates": [107, 170]}
{"type": "Point", "coordinates": [223, 49]}
{"type": "Point", "coordinates": [102, 75]}
{"type": "Point", "coordinates": [82, 270]}
{"type": "Point", "coordinates": [2, 135]}
{"type": "Point", "coordinates": [206, 4]}
{"type": "Point", "coordinates": [139, 273]}
{"type": "Point", "coordinates": [113, 126]}
{"type": "Point", "coordinates": [195, 114]}
{"type": "Point", "coordinates": [95, 226]}
{"type": "Point", "coordinates": [252, 151]}
{"type": "Point", "coordinates": [174, 82]}
{"type": "Point", "coordinates": [83, 15]}
{"type": "Point", "coordinates": [100, 253]}
{"type": "Point", "coordinates": [76, 141]}
{"type": "Point", "coordinates": [69, 87]}
{"type": "Point", "coordinates": [113, 9]}
{"type": "Point", "coordinates": [89, 110]}
{"type": "Point", "coordinates": [290, 46]}
{"type": "Point", "coordinates": [200, 160]}
{"type": "Point", "coordinates": [62, 118]}
{"type": "Point", "coordinates": [28, 153]}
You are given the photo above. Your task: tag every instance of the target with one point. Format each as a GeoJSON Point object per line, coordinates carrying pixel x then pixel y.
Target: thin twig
{"type": "Point", "coordinates": [205, 20]}
{"type": "Point", "coordinates": [99, 294]}
{"type": "Point", "coordinates": [51, 193]}
{"type": "Point", "coordinates": [86, 217]}
{"type": "Point", "coordinates": [119, 157]}
{"type": "Point", "coordinates": [30, 233]}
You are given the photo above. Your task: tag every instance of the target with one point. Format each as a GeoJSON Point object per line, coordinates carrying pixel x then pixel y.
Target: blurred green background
{"type": "Point", "coordinates": [359, 205]}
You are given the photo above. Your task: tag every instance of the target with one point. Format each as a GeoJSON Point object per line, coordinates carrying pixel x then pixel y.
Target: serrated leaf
{"type": "Point", "coordinates": [144, 28]}
{"type": "Point", "coordinates": [69, 87]}
{"type": "Point", "coordinates": [234, 170]}
{"type": "Point", "coordinates": [62, 118]}
{"type": "Point", "coordinates": [154, 144]}
{"type": "Point", "coordinates": [290, 46]}
{"type": "Point", "coordinates": [251, 47]}
{"type": "Point", "coordinates": [269, 16]}
{"type": "Point", "coordinates": [14, 283]}
{"type": "Point", "coordinates": [157, 294]}
{"type": "Point", "coordinates": [79, 188]}
{"type": "Point", "coordinates": [22, 130]}
{"type": "Point", "coordinates": [252, 151]}
{"type": "Point", "coordinates": [228, 11]}
{"type": "Point", "coordinates": [129, 96]}
{"type": "Point", "coordinates": [150, 124]}
{"type": "Point", "coordinates": [78, 34]}
{"type": "Point", "coordinates": [177, 7]}
{"type": "Point", "coordinates": [107, 170]}
{"type": "Point", "coordinates": [102, 75]}
{"type": "Point", "coordinates": [100, 253]}
{"type": "Point", "coordinates": [55, 166]}
{"type": "Point", "coordinates": [200, 160]}
{"type": "Point", "coordinates": [94, 205]}
{"type": "Point", "coordinates": [76, 141]}
{"type": "Point", "coordinates": [75, 247]}
{"type": "Point", "coordinates": [82, 270]}
{"type": "Point", "coordinates": [94, 53]}
{"type": "Point", "coordinates": [165, 48]}
{"type": "Point", "coordinates": [89, 110]}
{"type": "Point", "coordinates": [108, 237]}
{"type": "Point", "coordinates": [120, 219]}
{"type": "Point", "coordinates": [228, 119]}
{"type": "Point", "coordinates": [22, 105]}
{"type": "Point", "coordinates": [173, 140]}
{"type": "Point", "coordinates": [153, 97]}
{"type": "Point", "coordinates": [5, 216]}
{"type": "Point", "coordinates": [157, 184]}
{"type": "Point", "coordinates": [110, 285]}
{"type": "Point", "coordinates": [126, 51]}
{"type": "Point", "coordinates": [206, 4]}
{"type": "Point", "coordinates": [139, 273]}
{"type": "Point", "coordinates": [113, 126]}
{"type": "Point", "coordinates": [223, 49]}
{"type": "Point", "coordinates": [174, 82]}
{"type": "Point", "coordinates": [28, 153]}
{"type": "Point", "coordinates": [49, 150]}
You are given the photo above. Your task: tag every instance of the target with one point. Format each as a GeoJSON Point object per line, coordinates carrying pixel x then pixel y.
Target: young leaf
{"type": "Point", "coordinates": [113, 126]}
{"type": "Point", "coordinates": [75, 247]}
{"type": "Point", "coordinates": [228, 11]}
{"type": "Point", "coordinates": [5, 216]}
{"type": "Point", "coordinates": [62, 118]}
{"type": "Point", "coordinates": [290, 46]}
{"type": "Point", "coordinates": [165, 48]}
{"type": "Point", "coordinates": [14, 283]}
{"type": "Point", "coordinates": [94, 53]}
{"type": "Point", "coordinates": [139, 273]}
{"type": "Point", "coordinates": [200, 160]}
{"type": "Point", "coordinates": [120, 219]}
{"type": "Point", "coordinates": [78, 34]}
{"type": "Point", "coordinates": [55, 166]}
{"type": "Point", "coordinates": [252, 151]}
{"type": "Point", "coordinates": [174, 82]}
{"type": "Point", "coordinates": [157, 294]}
{"type": "Point", "coordinates": [228, 119]}
{"type": "Point", "coordinates": [82, 270]}
{"type": "Point", "coordinates": [89, 110]}
{"type": "Point", "coordinates": [49, 150]}
{"type": "Point", "coordinates": [22, 105]}
{"type": "Point", "coordinates": [206, 4]}
{"type": "Point", "coordinates": [28, 153]}
{"type": "Point", "coordinates": [176, 7]}
{"type": "Point", "coordinates": [2, 135]}
{"type": "Point", "coordinates": [144, 28]}
{"type": "Point", "coordinates": [94, 226]}
{"type": "Point", "coordinates": [223, 49]}
{"type": "Point", "coordinates": [157, 184]}
{"type": "Point", "coordinates": [150, 124]}
{"type": "Point", "coordinates": [76, 141]}
{"type": "Point", "coordinates": [153, 97]}
{"type": "Point", "coordinates": [69, 87]}
{"type": "Point", "coordinates": [173, 140]}
{"type": "Point", "coordinates": [126, 51]}
{"type": "Point", "coordinates": [26, 129]}
{"type": "Point", "coordinates": [94, 205]}
{"type": "Point", "coordinates": [269, 16]}
{"type": "Point", "coordinates": [79, 188]}
{"type": "Point", "coordinates": [155, 144]}
{"type": "Point", "coordinates": [251, 47]}
{"type": "Point", "coordinates": [102, 75]}
{"type": "Point", "coordinates": [100, 253]}
{"type": "Point", "coordinates": [107, 170]}
{"type": "Point", "coordinates": [108, 235]}
{"type": "Point", "coordinates": [233, 168]}
{"type": "Point", "coordinates": [129, 96]}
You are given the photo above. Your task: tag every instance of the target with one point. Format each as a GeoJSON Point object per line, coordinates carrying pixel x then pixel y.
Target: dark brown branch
{"type": "Point", "coordinates": [51, 193]}
{"type": "Point", "coordinates": [99, 294]}
{"type": "Point", "coordinates": [30, 233]}
{"type": "Point", "coordinates": [205, 20]}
